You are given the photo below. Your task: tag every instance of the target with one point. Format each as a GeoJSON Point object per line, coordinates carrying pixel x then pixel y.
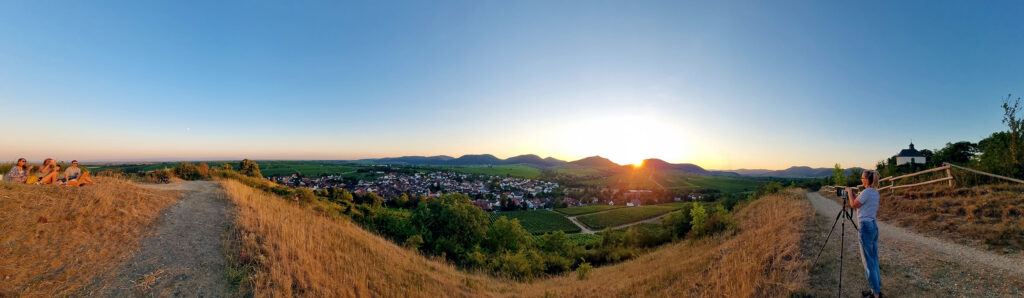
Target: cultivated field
{"type": "Point", "coordinates": [572, 211]}
{"type": "Point", "coordinates": [625, 215]}
{"type": "Point", "coordinates": [505, 170]}
{"type": "Point", "coordinates": [55, 241]}
{"type": "Point", "coordinates": [539, 221]}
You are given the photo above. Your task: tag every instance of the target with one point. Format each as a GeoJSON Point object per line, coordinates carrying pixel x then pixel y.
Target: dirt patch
{"type": "Point", "coordinates": [184, 255]}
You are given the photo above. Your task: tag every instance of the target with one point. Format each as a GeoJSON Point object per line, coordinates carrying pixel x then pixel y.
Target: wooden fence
{"type": "Point", "coordinates": [949, 177]}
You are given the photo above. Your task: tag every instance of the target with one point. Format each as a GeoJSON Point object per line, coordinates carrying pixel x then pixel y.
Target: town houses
{"type": "Point", "coordinates": [488, 192]}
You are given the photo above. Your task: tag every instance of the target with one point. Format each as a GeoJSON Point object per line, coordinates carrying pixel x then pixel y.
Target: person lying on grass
{"type": "Point", "coordinates": [73, 176]}
{"type": "Point", "coordinates": [47, 173]}
{"type": "Point", "coordinates": [19, 172]}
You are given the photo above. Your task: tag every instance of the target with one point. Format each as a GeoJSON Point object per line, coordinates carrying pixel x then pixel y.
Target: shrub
{"type": "Point", "coordinates": [584, 270]}
{"type": "Point", "coordinates": [305, 195]}
{"type": "Point", "coordinates": [413, 242]}
{"type": "Point", "coordinates": [188, 171]}
{"type": "Point", "coordinates": [698, 215]}
{"type": "Point", "coordinates": [158, 176]}
{"type": "Point", "coordinates": [678, 223]}
{"type": "Point", "coordinates": [249, 168]}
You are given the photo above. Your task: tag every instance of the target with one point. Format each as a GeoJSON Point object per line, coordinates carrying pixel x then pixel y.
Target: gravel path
{"type": "Point", "coordinates": [184, 256]}
{"type": "Point", "coordinates": [912, 264]}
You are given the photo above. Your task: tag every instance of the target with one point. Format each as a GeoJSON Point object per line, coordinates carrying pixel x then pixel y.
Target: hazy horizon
{"type": "Point", "coordinates": [724, 85]}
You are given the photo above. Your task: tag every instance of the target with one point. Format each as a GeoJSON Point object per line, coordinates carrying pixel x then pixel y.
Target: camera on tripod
{"type": "Point", "coordinates": [841, 192]}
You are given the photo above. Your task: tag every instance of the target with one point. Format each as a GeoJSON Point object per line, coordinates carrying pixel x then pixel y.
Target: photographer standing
{"type": "Point", "coordinates": [867, 206]}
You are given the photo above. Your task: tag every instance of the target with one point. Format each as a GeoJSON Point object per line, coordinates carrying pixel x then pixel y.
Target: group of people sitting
{"type": "Point", "coordinates": [48, 173]}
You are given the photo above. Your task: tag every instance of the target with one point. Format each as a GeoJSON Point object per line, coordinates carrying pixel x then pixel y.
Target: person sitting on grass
{"type": "Point", "coordinates": [47, 173]}
{"type": "Point", "coordinates": [73, 176]}
{"type": "Point", "coordinates": [19, 172]}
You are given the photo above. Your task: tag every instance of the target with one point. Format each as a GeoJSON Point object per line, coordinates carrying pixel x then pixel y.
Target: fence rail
{"type": "Point", "coordinates": [892, 187]}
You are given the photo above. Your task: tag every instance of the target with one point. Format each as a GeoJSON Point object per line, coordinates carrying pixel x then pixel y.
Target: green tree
{"type": "Point", "coordinates": [838, 175]}
{"type": "Point", "coordinates": [249, 168]}
{"type": "Point", "coordinates": [450, 225]}
{"type": "Point", "coordinates": [854, 177]}
{"type": "Point", "coordinates": [678, 223]}
{"type": "Point", "coordinates": [959, 153]}
{"type": "Point", "coordinates": [698, 215]}
{"type": "Point", "coordinates": [507, 235]}
{"type": "Point", "coordinates": [226, 167]}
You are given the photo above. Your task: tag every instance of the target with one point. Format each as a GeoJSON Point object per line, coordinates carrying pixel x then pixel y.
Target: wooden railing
{"type": "Point", "coordinates": [949, 177]}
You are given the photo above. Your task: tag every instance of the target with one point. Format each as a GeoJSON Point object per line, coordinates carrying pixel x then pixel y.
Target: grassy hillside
{"type": "Point", "coordinates": [288, 258]}
{"type": "Point", "coordinates": [56, 240]}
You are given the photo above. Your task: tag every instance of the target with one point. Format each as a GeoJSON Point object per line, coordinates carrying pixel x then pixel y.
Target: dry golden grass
{"type": "Point", "coordinates": [992, 214]}
{"type": "Point", "coordinates": [298, 253]}
{"type": "Point", "coordinates": [56, 240]}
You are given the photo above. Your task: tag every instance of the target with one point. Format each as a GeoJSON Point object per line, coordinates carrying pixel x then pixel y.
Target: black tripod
{"type": "Point", "coordinates": [845, 213]}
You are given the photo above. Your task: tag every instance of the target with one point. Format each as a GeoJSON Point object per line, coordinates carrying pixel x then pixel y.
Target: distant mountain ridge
{"type": "Point", "coordinates": [791, 172]}
{"type": "Point", "coordinates": [470, 160]}
{"type": "Point", "coordinates": [593, 162]}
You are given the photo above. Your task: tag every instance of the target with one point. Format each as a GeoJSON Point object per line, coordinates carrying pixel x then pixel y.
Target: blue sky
{"type": "Point", "coordinates": [725, 85]}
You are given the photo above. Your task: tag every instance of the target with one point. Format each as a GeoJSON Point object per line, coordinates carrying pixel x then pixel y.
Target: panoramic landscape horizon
{"type": "Point", "coordinates": [511, 148]}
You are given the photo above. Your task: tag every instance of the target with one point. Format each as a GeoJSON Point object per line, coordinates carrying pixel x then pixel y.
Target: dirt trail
{"type": "Point", "coordinates": [911, 264]}
{"type": "Point", "coordinates": [184, 255]}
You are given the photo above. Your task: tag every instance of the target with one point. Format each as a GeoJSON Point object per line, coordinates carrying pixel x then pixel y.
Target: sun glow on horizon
{"type": "Point", "coordinates": [626, 139]}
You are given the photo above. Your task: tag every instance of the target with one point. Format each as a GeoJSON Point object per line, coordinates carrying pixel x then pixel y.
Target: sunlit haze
{"type": "Point", "coordinates": [722, 85]}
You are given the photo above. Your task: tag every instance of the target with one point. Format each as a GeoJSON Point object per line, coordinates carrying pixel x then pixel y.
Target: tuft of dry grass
{"type": "Point", "coordinates": [296, 252]}
{"type": "Point", "coordinates": [991, 215]}
{"type": "Point", "coordinates": [57, 240]}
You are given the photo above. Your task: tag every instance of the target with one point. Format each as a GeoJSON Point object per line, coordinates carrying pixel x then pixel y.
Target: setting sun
{"type": "Point", "coordinates": [626, 139]}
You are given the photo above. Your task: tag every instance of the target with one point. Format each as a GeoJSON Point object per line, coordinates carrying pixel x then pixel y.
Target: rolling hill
{"type": "Point", "coordinates": [791, 172]}
{"type": "Point", "coordinates": [470, 160]}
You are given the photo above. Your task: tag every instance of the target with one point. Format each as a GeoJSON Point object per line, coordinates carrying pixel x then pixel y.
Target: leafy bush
{"type": "Point", "coordinates": [158, 176]}
{"type": "Point", "coordinates": [413, 242]}
{"type": "Point", "coordinates": [583, 271]}
{"type": "Point", "coordinates": [249, 168]}
{"type": "Point", "coordinates": [188, 171]}
{"type": "Point", "coordinates": [678, 223]}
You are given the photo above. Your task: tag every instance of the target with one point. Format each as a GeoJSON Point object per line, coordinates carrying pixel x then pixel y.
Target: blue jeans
{"type": "Point", "coordinates": [869, 241]}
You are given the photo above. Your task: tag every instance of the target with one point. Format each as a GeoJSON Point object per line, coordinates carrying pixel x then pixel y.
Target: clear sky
{"type": "Point", "coordinates": [758, 84]}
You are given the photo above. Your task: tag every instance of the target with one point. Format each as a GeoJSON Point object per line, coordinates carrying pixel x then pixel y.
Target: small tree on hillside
{"type": "Point", "coordinates": [249, 168]}
{"type": "Point", "coordinates": [1016, 126]}
{"type": "Point", "coordinates": [838, 175]}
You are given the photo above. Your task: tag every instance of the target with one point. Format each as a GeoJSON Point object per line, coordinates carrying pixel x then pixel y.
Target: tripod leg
{"type": "Point", "coordinates": [827, 237]}
{"type": "Point", "coordinates": [842, 243]}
